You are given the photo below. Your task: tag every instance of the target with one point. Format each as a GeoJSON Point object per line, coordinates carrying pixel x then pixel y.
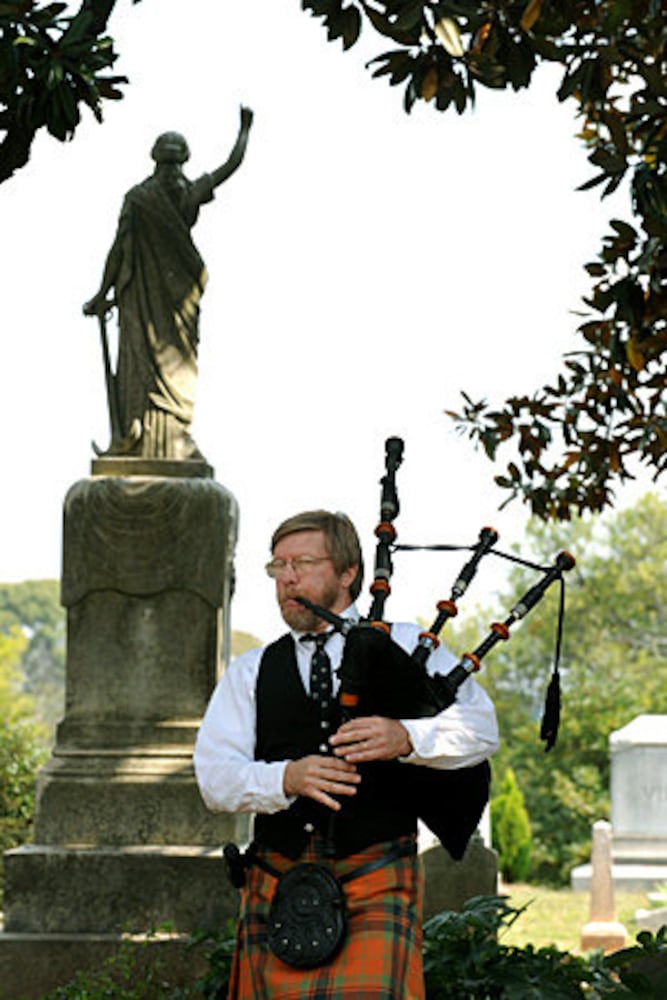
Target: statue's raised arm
{"type": "Point", "coordinates": [155, 277]}
{"type": "Point", "coordinates": [235, 158]}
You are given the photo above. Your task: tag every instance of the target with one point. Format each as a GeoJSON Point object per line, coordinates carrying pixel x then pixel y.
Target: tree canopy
{"type": "Point", "coordinates": [50, 64]}
{"type": "Point", "coordinates": [22, 745]}
{"type": "Point", "coordinates": [32, 609]}
{"type": "Point", "coordinates": [604, 414]}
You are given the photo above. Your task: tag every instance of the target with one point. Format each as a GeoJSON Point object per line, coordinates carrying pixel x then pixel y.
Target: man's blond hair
{"type": "Point", "coordinates": [341, 538]}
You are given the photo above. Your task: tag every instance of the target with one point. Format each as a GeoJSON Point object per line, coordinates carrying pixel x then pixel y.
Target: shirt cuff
{"type": "Point", "coordinates": [277, 777]}
{"type": "Point", "coordinates": [412, 755]}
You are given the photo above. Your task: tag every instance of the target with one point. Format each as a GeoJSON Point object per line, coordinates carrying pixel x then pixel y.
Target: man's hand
{"type": "Point", "coordinates": [320, 778]}
{"type": "Point", "coordinates": [371, 738]}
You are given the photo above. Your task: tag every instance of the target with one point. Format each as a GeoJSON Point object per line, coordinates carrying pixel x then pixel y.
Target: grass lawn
{"type": "Point", "coordinates": [556, 916]}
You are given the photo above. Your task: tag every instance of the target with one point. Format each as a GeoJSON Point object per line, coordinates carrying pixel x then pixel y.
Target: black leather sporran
{"type": "Point", "coordinates": [308, 917]}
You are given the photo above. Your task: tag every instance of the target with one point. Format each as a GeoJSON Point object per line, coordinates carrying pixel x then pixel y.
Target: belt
{"type": "Point", "coordinates": [401, 851]}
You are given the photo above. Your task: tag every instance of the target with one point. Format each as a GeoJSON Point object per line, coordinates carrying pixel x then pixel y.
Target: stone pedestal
{"type": "Point", "coordinates": [638, 806]}
{"type": "Point", "coordinates": [123, 841]}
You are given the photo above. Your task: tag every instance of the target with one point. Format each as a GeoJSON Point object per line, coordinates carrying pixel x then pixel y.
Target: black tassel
{"type": "Point", "coordinates": [551, 717]}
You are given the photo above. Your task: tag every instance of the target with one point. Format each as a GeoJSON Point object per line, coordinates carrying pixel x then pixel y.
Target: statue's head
{"type": "Point", "coordinates": [170, 147]}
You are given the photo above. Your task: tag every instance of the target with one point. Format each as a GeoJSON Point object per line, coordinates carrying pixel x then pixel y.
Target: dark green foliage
{"type": "Point", "coordinates": [605, 412]}
{"type": "Point", "coordinates": [641, 969]}
{"type": "Point", "coordinates": [464, 959]}
{"type": "Point", "coordinates": [215, 983]}
{"type": "Point", "coordinates": [129, 975]}
{"type": "Point", "coordinates": [122, 978]}
{"type": "Point", "coordinates": [51, 63]}
{"type": "Point", "coordinates": [511, 831]}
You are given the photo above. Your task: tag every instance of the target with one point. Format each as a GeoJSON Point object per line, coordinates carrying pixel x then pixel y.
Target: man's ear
{"type": "Point", "coordinates": [349, 575]}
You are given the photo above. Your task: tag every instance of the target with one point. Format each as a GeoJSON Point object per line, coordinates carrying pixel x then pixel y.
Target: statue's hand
{"type": "Point", "coordinates": [99, 305]}
{"type": "Point", "coordinates": [247, 116]}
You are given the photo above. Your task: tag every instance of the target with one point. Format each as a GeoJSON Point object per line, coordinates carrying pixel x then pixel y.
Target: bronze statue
{"type": "Point", "coordinates": [158, 278]}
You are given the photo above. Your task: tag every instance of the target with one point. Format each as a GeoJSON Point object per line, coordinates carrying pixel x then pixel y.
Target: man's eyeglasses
{"type": "Point", "coordinates": [300, 565]}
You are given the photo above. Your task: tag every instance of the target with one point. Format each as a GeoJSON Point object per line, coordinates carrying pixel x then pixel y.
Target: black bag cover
{"type": "Point", "coordinates": [387, 681]}
{"type": "Point", "coordinates": [307, 918]}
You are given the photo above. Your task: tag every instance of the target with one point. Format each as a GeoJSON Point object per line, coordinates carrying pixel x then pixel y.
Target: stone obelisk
{"type": "Point", "coordinates": [603, 930]}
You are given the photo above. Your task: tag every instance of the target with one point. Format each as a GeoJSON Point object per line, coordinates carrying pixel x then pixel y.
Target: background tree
{"type": "Point", "coordinates": [614, 659]}
{"type": "Point", "coordinates": [50, 64]}
{"type": "Point", "coordinates": [34, 608]}
{"type": "Point", "coordinates": [605, 412]}
{"type": "Point", "coordinates": [22, 746]}
{"type": "Point", "coordinates": [510, 829]}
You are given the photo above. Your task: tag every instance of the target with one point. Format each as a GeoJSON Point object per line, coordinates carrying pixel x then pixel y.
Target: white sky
{"type": "Point", "coordinates": [365, 266]}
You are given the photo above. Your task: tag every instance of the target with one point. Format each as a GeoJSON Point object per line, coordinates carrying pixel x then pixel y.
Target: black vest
{"type": "Point", "coordinates": [288, 727]}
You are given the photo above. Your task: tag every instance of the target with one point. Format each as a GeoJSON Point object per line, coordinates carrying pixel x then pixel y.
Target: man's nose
{"type": "Point", "coordinates": [289, 571]}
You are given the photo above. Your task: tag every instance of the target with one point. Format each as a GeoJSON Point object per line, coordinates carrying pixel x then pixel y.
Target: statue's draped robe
{"type": "Point", "coordinates": [158, 287]}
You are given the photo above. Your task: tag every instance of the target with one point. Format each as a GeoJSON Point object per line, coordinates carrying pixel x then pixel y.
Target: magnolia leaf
{"type": "Point", "coordinates": [480, 37]}
{"type": "Point", "coordinates": [430, 84]}
{"type": "Point", "coordinates": [351, 26]}
{"type": "Point", "coordinates": [388, 28]}
{"type": "Point", "coordinates": [447, 32]}
{"type": "Point", "coordinates": [531, 14]}
{"type": "Point", "coordinates": [635, 355]}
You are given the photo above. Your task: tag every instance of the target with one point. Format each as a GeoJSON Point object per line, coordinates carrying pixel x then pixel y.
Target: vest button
{"type": "Point", "coordinates": [308, 827]}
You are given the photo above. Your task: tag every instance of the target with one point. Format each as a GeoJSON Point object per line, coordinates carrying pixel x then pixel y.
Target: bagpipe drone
{"type": "Point", "coordinates": [377, 677]}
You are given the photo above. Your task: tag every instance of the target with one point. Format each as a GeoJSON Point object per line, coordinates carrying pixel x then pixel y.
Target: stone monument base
{"type": "Point", "coordinates": [605, 935]}
{"type": "Point", "coordinates": [626, 877]}
{"type": "Point", "coordinates": [116, 889]}
{"type": "Point", "coordinates": [32, 965]}
{"type": "Point", "coordinates": [123, 843]}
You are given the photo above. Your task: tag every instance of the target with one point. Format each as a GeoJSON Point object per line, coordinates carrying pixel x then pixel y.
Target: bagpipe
{"type": "Point", "coordinates": [378, 677]}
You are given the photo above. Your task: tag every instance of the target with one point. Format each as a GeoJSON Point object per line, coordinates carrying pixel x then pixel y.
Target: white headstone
{"type": "Point", "coordinates": [638, 806]}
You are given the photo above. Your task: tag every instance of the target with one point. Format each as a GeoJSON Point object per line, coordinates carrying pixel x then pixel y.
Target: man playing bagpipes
{"type": "Point", "coordinates": [330, 904]}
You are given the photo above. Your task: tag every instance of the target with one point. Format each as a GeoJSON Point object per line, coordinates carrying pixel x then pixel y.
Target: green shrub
{"type": "Point", "coordinates": [125, 976]}
{"type": "Point", "coordinates": [21, 756]}
{"type": "Point", "coordinates": [511, 832]}
{"type": "Point", "coordinates": [213, 985]}
{"type": "Point", "coordinates": [464, 959]}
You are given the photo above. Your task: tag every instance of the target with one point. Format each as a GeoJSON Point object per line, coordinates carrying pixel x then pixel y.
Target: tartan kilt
{"type": "Point", "coordinates": [381, 958]}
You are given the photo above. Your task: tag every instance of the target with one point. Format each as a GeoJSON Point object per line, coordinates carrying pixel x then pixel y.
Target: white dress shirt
{"type": "Point", "coordinates": [231, 780]}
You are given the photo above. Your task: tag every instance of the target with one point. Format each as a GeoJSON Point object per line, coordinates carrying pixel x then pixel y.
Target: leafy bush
{"type": "Point", "coordinates": [123, 976]}
{"type": "Point", "coordinates": [214, 984]}
{"type": "Point", "coordinates": [511, 830]}
{"type": "Point", "coordinates": [463, 960]}
{"type": "Point", "coordinates": [127, 975]}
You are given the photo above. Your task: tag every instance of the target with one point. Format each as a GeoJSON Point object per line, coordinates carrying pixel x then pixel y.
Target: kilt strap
{"type": "Point", "coordinates": [400, 851]}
